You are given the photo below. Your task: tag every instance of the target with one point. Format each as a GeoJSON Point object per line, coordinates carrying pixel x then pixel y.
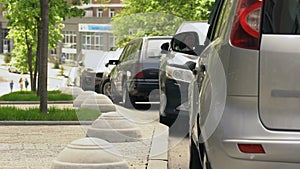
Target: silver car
{"type": "Point", "coordinates": [245, 97]}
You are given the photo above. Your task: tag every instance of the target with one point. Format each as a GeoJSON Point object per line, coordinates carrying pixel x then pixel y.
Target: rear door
{"type": "Point", "coordinates": [279, 96]}
{"type": "Point", "coordinates": [151, 57]}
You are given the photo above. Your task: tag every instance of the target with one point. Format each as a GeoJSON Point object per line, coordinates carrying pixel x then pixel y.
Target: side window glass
{"type": "Point", "coordinates": [214, 20]}
{"type": "Point", "coordinates": [221, 21]}
{"type": "Point", "coordinates": [125, 52]}
{"type": "Point", "coordinates": [281, 17]}
{"type": "Point", "coordinates": [135, 51]}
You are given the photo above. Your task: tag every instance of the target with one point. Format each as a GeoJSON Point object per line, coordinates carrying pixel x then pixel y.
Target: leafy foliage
{"type": "Point", "coordinates": [24, 17]}
{"type": "Point", "coordinates": [157, 17]}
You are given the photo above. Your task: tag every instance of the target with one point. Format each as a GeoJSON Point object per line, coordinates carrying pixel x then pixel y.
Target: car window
{"type": "Point", "coordinates": [125, 52]}
{"type": "Point", "coordinates": [213, 20]}
{"type": "Point", "coordinates": [135, 50]}
{"type": "Point", "coordinates": [281, 17]}
{"type": "Point", "coordinates": [153, 47]}
{"type": "Point", "coordinates": [221, 21]}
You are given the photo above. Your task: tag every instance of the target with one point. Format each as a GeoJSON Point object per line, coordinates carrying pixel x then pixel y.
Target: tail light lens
{"type": "Point", "coordinates": [246, 24]}
{"type": "Point", "coordinates": [139, 70]}
{"type": "Point", "coordinates": [251, 148]}
{"type": "Point", "coordinates": [139, 75]}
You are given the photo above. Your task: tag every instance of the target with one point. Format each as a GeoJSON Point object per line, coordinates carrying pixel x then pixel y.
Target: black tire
{"type": "Point", "coordinates": [166, 121]}
{"type": "Point", "coordinates": [195, 162]}
{"type": "Point", "coordinates": [106, 88]}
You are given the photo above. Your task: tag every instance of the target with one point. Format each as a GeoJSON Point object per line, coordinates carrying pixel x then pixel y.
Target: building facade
{"type": "Point", "coordinates": [81, 35]}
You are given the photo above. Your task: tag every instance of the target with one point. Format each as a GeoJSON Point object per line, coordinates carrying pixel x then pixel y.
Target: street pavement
{"type": "Point", "coordinates": [26, 145]}
{"type": "Point", "coordinates": [36, 146]}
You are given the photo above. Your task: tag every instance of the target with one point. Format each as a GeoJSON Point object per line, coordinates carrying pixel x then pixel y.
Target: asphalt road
{"type": "Point", "coordinates": [178, 155]}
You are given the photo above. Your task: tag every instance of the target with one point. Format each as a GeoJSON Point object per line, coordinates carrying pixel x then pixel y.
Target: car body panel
{"type": "Point", "coordinates": [138, 68]}
{"type": "Point", "coordinates": [279, 82]}
{"type": "Point", "coordinates": [247, 96]}
{"type": "Point", "coordinates": [176, 73]}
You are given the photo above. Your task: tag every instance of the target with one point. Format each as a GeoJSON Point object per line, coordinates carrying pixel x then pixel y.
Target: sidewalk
{"type": "Point", "coordinates": [36, 146]}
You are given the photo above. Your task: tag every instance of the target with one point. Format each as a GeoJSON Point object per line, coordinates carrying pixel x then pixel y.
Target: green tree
{"type": "Point", "coordinates": [27, 29]}
{"type": "Point", "coordinates": [157, 17]}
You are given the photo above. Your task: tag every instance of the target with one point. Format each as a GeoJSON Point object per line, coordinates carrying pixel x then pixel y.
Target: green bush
{"type": "Point", "coordinates": [7, 57]}
{"type": "Point", "coordinates": [54, 95]}
{"type": "Point", "coordinates": [56, 64]}
{"type": "Point", "coordinates": [10, 113]}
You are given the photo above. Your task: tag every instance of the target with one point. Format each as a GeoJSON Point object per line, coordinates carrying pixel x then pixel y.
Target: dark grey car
{"type": "Point", "coordinates": [135, 75]}
{"type": "Point", "coordinates": [176, 67]}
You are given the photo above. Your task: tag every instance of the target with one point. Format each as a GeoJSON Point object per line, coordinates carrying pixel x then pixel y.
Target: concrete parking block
{"type": "Point", "coordinates": [82, 97]}
{"type": "Point", "coordinates": [74, 91]}
{"type": "Point", "coordinates": [89, 153]}
{"type": "Point", "coordinates": [103, 108]}
{"type": "Point", "coordinates": [114, 127]}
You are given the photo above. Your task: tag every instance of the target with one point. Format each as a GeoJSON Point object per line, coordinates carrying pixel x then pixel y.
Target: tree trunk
{"type": "Point", "coordinates": [38, 56]}
{"type": "Point", "coordinates": [30, 57]}
{"type": "Point", "coordinates": [44, 56]}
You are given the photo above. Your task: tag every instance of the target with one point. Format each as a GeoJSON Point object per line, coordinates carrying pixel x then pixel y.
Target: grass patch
{"type": "Point", "coordinates": [10, 113]}
{"type": "Point", "coordinates": [54, 95]}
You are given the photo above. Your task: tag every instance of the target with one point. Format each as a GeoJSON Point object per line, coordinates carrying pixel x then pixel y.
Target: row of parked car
{"type": "Point", "coordinates": [234, 77]}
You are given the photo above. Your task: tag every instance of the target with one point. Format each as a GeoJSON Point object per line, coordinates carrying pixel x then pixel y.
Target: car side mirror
{"type": "Point", "coordinates": [112, 62]}
{"type": "Point", "coordinates": [165, 48]}
{"type": "Point", "coordinates": [80, 63]}
{"type": "Point", "coordinates": [185, 42]}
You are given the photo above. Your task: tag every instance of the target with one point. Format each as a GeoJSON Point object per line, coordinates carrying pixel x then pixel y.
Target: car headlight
{"type": "Point", "coordinates": [179, 74]}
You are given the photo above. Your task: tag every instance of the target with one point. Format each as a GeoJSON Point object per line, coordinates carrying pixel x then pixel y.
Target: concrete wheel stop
{"type": "Point", "coordinates": [114, 127]}
{"type": "Point", "coordinates": [74, 91]}
{"type": "Point", "coordinates": [99, 102]}
{"type": "Point", "coordinates": [89, 153]}
{"type": "Point", "coordinates": [82, 97]}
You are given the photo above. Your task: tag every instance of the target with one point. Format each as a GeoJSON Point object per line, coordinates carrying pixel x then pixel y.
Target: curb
{"type": "Point", "coordinates": [158, 157]}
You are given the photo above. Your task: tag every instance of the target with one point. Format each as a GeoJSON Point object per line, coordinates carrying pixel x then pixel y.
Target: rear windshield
{"type": "Point", "coordinates": [281, 17]}
{"type": "Point", "coordinates": [153, 47]}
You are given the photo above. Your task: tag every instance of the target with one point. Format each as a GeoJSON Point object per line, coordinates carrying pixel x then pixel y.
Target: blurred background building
{"type": "Point", "coordinates": [91, 33]}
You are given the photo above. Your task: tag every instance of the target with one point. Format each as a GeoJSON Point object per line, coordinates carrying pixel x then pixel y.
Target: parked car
{"type": "Point", "coordinates": [104, 85]}
{"type": "Point", "coordinates": [92, 69]}
{"type": "Point", "coordinates": [245, 94]}
{"type": "Point", "coordinates": [135, 75]}
{"type": "Point", "coordinates": [13, 69]}
{"type": "Point", "coordinates": [176, 67]}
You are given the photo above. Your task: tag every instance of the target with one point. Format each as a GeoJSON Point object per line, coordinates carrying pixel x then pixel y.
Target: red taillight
{"type": "Point", "coordinates": [139, 70]}
{"type": "Point", "coordinates": [251, 148]}
{"type": "Point", "coordinates": [246, 24]}
{"type": "Point", "coordinates": [139, 75]}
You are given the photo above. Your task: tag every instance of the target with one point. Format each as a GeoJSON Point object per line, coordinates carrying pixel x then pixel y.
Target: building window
{"type": "Point", "coordinates": [88, 13]}
{"type": "Point", "coordinates": [92, 41]}
{"type": "Point", "coordinates": [69, 40]}
{"type": "Point", "coordinates": [111, 13]}
{"type": "Point", "coordinates": [100, 13]}
{"type": "Point", "coordinates": [112, 42]}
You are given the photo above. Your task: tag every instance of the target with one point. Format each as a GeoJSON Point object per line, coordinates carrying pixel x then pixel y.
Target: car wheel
{"type": "Point", "coordinates": [165, 120]}
{"type": "Point", "coordinates": [106, 88]}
